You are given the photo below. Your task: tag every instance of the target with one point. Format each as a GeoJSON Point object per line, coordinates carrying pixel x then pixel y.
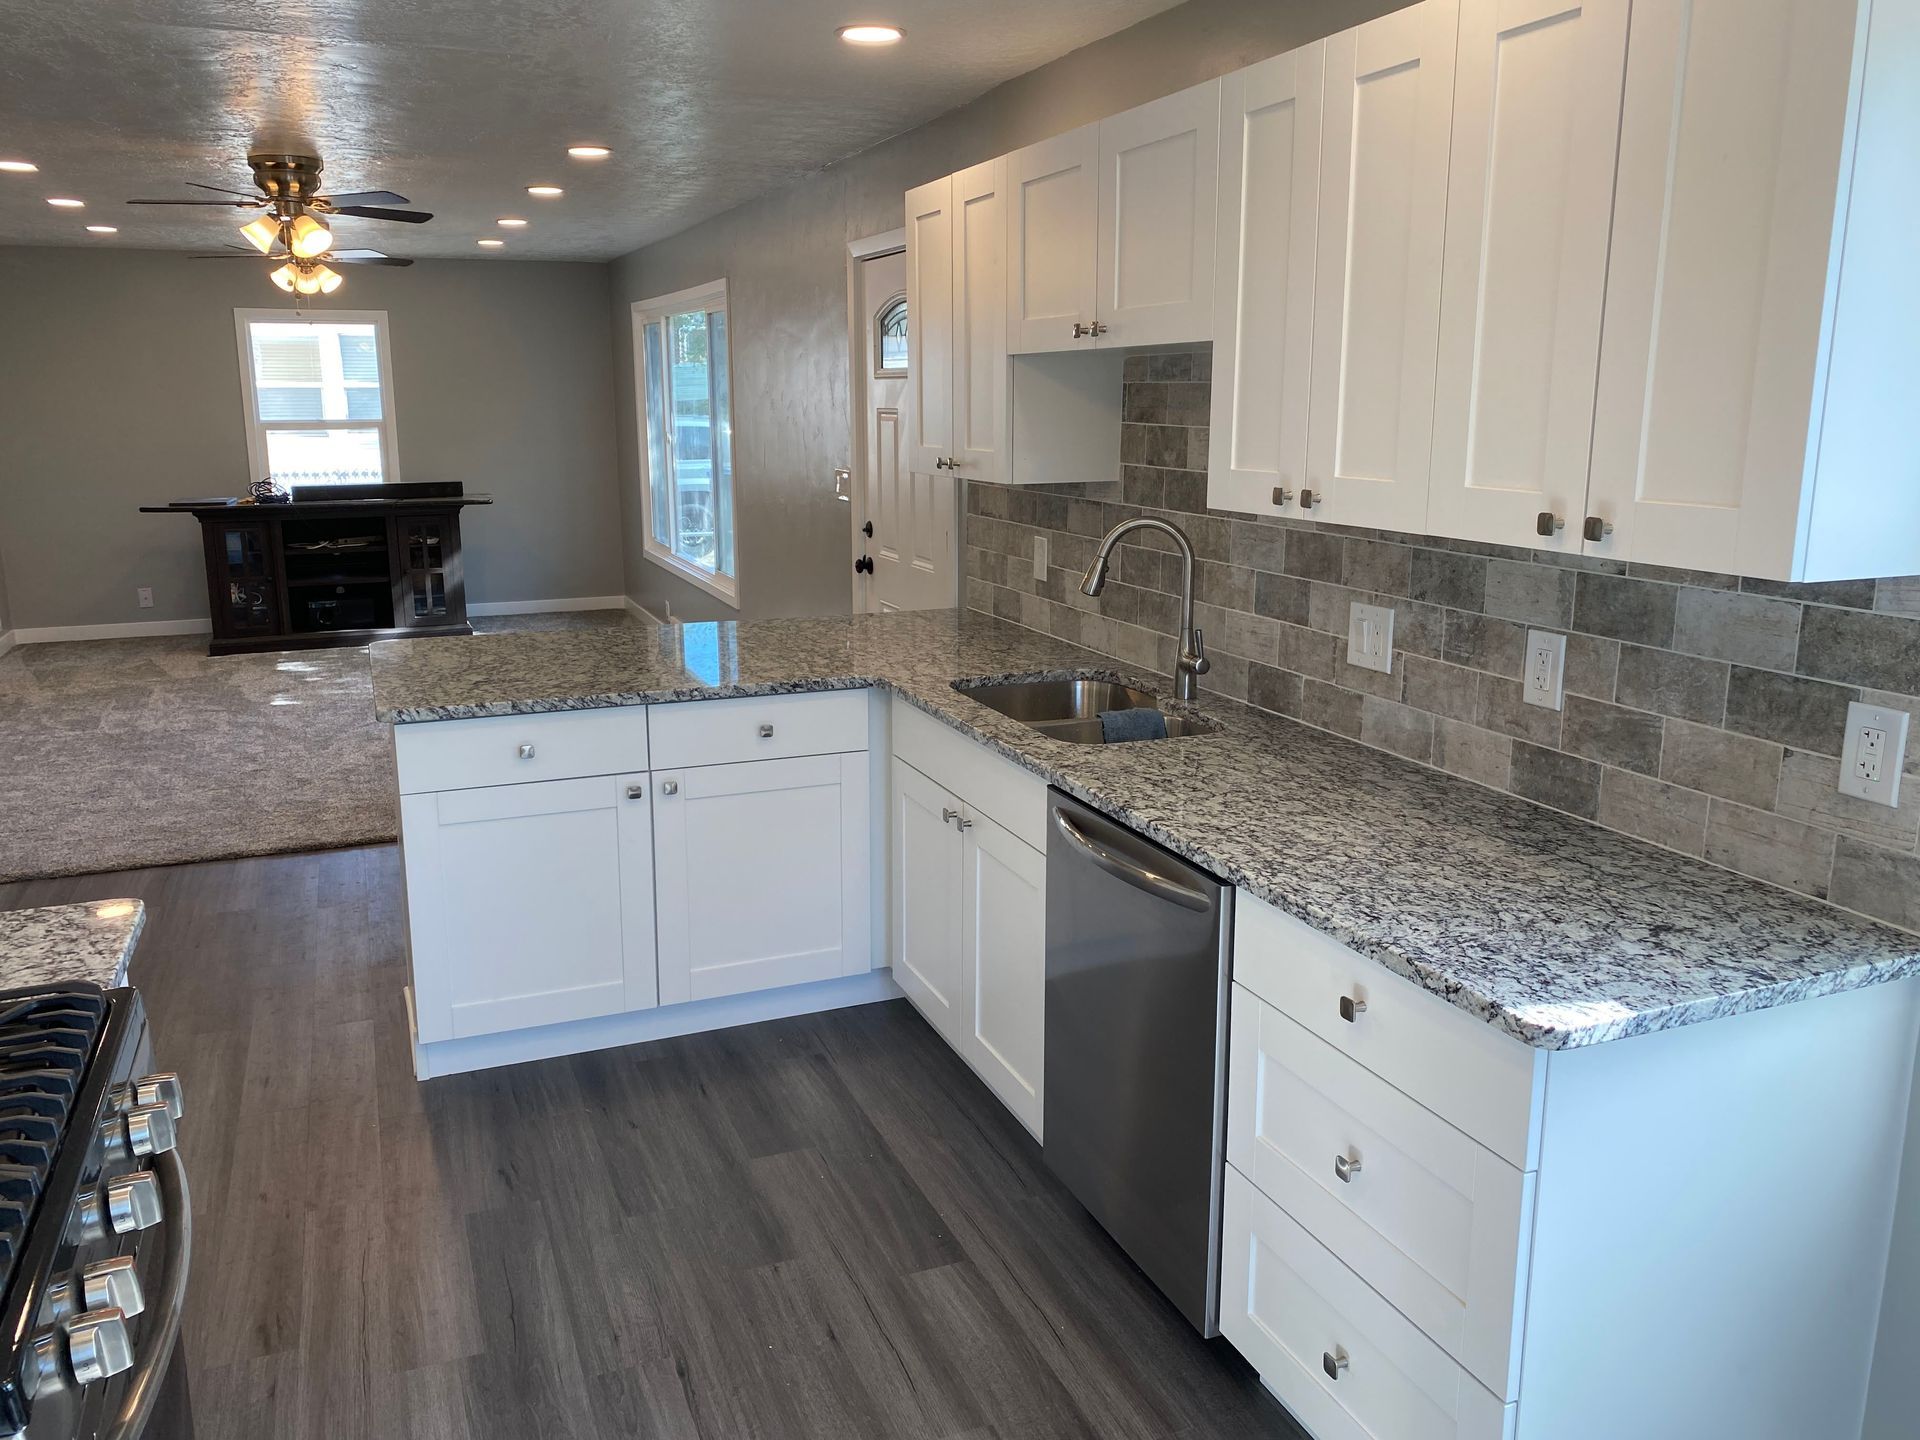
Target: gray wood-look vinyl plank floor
{"type": "Point", "coordinates": [820, 1227]}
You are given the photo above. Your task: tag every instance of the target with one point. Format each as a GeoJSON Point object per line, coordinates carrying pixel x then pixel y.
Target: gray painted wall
{"type": "Point", "coordinates": [120, 386]}
{"type": "Point", "coordinates": [6, 623]}
{"type": "Point", "coordinates": [784, 259]}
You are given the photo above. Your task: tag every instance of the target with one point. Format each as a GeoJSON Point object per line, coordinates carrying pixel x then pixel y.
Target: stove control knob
{"type": "Point", "coordinates": [104, 1285]}
{"type": "Point", "coordinates": [99, 1345]}
{"type": "Point", "coordinates": [141, 1131]}
{"type": "Point", "coordinates": [128, 1203]}
{"type": "Point", "coordinates": [161, 1089]}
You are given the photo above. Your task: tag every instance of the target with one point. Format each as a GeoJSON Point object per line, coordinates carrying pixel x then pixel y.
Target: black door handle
{"type": "Point", "coordinates": [867, 529]}
{"type": "Point", "coordinates": [864, 565]}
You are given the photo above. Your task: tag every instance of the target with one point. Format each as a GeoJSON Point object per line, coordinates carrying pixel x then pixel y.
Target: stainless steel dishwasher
{"type": "Point", "coordinates": [1136, 1025]}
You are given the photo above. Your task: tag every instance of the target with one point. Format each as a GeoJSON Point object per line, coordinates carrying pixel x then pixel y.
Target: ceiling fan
{"type": "Point", "coordinates": [294, 229]}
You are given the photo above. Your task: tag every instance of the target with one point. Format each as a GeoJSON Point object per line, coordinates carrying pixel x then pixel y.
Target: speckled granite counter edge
{"type": "Point", "coordinates": [49, 944]}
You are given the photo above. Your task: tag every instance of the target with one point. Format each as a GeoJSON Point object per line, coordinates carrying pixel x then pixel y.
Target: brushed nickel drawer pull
{"type": "Point", "coordinates": [1335, 1362]}
{"type": "Point", "coordinates": [1352, 1007]}
{"type": "Point", "coordinates": [1346, 1166]}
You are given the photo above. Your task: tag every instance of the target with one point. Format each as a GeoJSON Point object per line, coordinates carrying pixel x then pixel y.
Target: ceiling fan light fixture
{"type": "Point", "coordinates": [589, 152]}
{"type": "Point", "coordinates": [872, 34]}
{"type": "Point", "coordinates": [330, 280]}
{"type": "Point", "coordinates": [19, 167]}
{"type": "Point", "coordinates": [263, 234]}
{"type": "Point", "coordinates": [285, 276]}
{"type": "Point", "coordinates": [309, 237]}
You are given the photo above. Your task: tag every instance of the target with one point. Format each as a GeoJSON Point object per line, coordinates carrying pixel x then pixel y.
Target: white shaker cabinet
{"type": "Point", "coordinates": [1536, 113]}
{"type": "Point", "coordinates": [1759, 369]}
{"type": "Point", "coordinates": [1263, 280]}
{"type": "Point", "coordinates": [761, 874]}
{"type": "Point", "coordinates": [1386, 119]}
{"type": "Point", "coordinates": [1053, 197]}
{"type": "Point", "coordinates": [956, 341]}
{"type": "Point", "coordinates": [930, 327]}
{"type": "Point", "coordinates": [529, 904]}
{"type": "Point", "coordinates": [927, 854]}
{"type": "Point", "coordinates": [1003, 937]}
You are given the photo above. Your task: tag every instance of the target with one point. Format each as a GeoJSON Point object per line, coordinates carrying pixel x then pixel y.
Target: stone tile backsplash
{"type": "Point", "coordinates": [1703, 712]}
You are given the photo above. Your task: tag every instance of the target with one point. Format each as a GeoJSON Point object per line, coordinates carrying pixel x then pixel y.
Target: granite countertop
{"type": "Point", "coordinates": [70, 942]}
{"type": "Point", "coordinates": [1553, 930]}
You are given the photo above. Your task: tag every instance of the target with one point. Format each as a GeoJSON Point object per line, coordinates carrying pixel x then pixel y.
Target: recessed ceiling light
{"type": "Point", "coordinates": [103, 229]}
{"type": "Point", "coordinates": [546, 192]}
{"type": "Point", "coordinates": [589, 152]}
{"type": "Point", "coordinates": [871, 34]}
{"type": "Point", "coordinates": [18, 167]}
{"type": "Point", "coordinates": [490, 244]}
{"type": "Point", "coordinates": [512, 222]}
{"type": "Point", "coordinates": [65, 202]}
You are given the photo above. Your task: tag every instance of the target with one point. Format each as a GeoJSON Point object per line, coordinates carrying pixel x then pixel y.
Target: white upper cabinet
{"type": "Point", "coordinates": [979, 322]}
{"type": "Point", "coordinates": [1053, 197]}
{"type": "Point", "coordinates": [1383, 207]}
{"type": "Point", "coordinates": [1759, 366]}
{"type": "Point", "coordinates": [1159, 167]}
{"type": "Point", "coordinates": [1536, 113]}
{"type": "Point", "coordinates": [930, 326]}
{"type": "Point", "coordinates": [1263, 280]}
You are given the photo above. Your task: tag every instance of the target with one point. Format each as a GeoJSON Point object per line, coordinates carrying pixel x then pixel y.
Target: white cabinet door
{"type": "Point", "coordinates": [528, 904]}
{"type": "Point", "coordinates": [1383, 209]}
{"type": "Point", "coordinates": [1529, 195]}
{"type": "Point", "coordinates": [1004, 939]}
{"type": "Point", "coordinates": [979, 324]}
{"type": "Point", "coordinates": [761, 874]}
{"type": "Point", "coordinates": [926, 865]}
{"type": "Point", "coordinates": [1263, 281]}
{"type": "Point", "coordinates": [1735, 124]}
{"type": "Point", "coordinates": [930, 327]}
{"type": "Point", "coordinates": [1053, 199]}
{"type": "Point", "coordinates": [1159, 168]}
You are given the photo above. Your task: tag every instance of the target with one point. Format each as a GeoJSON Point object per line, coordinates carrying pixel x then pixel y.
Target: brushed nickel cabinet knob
{"type": "Point", "coordinates": [1335, 1362]}
{"type": "Point", "coordinates": [1281, 495]}
{"type": "Point", "coordinates": [1352, 1007]}
{"type": "Point", "coordinates": [766, 732]}
{"type": "Point", "coordinates": [1346, 1166]}
{"type": "Point", "coordinates": [526, 752]}
{"type": "Point", "coordinates": [1547, 523]}
{"type": "Point", "coordinates": [1309, 499]}
{"type": "Point", "coordinates": [669, 787]}
{"type": "Point", "coordinates": [1596, 529]}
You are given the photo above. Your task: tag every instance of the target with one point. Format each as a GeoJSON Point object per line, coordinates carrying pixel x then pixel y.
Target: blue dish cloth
{"type": "Point", "coordinates": [1118, 726]}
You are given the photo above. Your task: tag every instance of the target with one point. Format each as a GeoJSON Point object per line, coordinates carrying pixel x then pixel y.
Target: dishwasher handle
{"type": "Point", "coordinates": [1160, 886]}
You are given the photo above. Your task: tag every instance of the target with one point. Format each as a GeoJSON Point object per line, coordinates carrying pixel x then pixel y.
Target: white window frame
{"type": "Point", "coordinates": [712, 296]}
{"type": "Point", "coordinates": [257, 428]}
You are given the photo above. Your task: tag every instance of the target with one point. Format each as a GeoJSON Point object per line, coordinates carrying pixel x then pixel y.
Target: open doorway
{"type": "Point", "coordinates": [904, 523]}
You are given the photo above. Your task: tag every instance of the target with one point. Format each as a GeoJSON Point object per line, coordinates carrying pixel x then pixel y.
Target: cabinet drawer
{"type": "Point", "coordinates": [1462, 1069]}
{"type": "Point", "coordinates": [989, 783]}
{"type": "Point", "coordinates": [1430, 1218]}
{"type": "Point", "coordinates": [1295, 1312]}
{"type": "Point", "coordinates": [771, 727]}
{"type": "Point", "coordinates": [516, 749]}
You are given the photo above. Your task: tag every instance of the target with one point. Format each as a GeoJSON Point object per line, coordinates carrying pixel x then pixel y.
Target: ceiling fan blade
{"type": "Point", "coordinates": [222, 189]}
{"type": "Point", "coordinates": [364, 257]}
{"type": "Point", "coordinates": [230, 255]}
{"type": "Point", "coordinates": [364, 197]}
{"type": "Point", "coordinates": [376, 212]}
{"type": "Point", "coordinates": [235, 204]}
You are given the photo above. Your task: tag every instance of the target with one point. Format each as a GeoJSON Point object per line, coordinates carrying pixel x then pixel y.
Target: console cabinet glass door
{"type": "Point", "coordinates": [246, 591]}
{"type": "Point", "coordinates": [426, 551]}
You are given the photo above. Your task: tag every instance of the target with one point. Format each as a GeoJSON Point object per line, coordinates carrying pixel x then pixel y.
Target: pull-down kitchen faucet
{"type": "Point", "coordinates": [1193, 661]}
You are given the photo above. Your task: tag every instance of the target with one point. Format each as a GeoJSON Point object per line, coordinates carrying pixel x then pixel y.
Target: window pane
{"type": "Point", "coordinates": [290, 402]}
{"type": "Point", "coordinates": [722, 434]}
{"type": "Point", "coordinates": [324, 457]}
{"type": "Point", "coordinates": [695, 513]}
{"type": "Point", "coordinates": [315, 371]}
{"type": "Point", "coordinates": [659, 474]}
{"type": "Point", "coordinates": [363, 403]}
{"type": "Point", "coordinates": [892, 326]}
{"type": "Point", "coordinates": [358, 358]}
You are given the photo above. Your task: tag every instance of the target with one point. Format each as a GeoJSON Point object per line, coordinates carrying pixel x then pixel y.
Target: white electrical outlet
{"type": "Point", "coordinates": [1873, 753]}
{"type": "Point", "coordinates": [1040, 557]}
{"type": "Point", "coordinates": [1544, 675]}
{"type": "Point", "coordinates": [145, 594]}
{"type": "Point", "coordinates": [1370, 637]}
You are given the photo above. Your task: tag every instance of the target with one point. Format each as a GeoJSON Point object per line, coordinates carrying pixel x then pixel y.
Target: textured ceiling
{"type": "Point", "coordinates": [460, 104]}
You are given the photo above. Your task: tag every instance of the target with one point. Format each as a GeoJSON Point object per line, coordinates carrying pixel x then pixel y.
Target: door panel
{"type": "Point", "coordinates": [1004, 929]}
{"type": "Point", "coordinates": [1530, 196]}
{"type": "Point", "coordinates": [1383, 199]}
{"type": "Point", "coordinates": [1158, 196]}
{"type": "Point", "coordinates": [1734, 111]}
{"type": "Point", "coordinates": [926, 872]}
{"type": "Point", "coordinates": [1263, 307]}
{"type": "Point", "coordinates": [1053, 199]}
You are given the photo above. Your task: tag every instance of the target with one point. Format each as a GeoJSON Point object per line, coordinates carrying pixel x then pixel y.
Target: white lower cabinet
{"type": "Point", "coordinates": [969, 933]}
{"type": "Point", "coordinates": [761, 874]}
{"type": "Point", "coordinates": [529, 904]}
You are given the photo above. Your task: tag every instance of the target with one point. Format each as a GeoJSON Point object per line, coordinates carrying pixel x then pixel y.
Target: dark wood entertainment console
{"type": "Point", "coordinates": [343, 569]}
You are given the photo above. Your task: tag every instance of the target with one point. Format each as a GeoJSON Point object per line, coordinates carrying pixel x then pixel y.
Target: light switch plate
{"type": "Point", "coordinates": [1040, 557]}
{"type": "Point", "coordinates": [1543, 676]}
{"type": "Point", "coordinates": [1370, 637]}
{"type": "Point", "coordinates": [1873, 753]}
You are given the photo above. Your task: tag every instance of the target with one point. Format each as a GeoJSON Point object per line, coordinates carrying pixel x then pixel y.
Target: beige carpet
{"type": "Point", "coordinates": [123, 753]}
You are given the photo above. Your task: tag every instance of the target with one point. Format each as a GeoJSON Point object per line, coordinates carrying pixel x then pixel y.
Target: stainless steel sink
{"type": "Point", "coordinates": [1070, 709]}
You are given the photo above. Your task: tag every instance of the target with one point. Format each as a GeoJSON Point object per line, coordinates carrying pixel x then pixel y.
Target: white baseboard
{"type": "Point", "coordinates": [639, 611]}
{"type": "Point", "coordinates": [575, 1037]}
{"type": "Point", "coordinates": [57, 634]}
{"type": "Point", "coordinates": [547, 607]}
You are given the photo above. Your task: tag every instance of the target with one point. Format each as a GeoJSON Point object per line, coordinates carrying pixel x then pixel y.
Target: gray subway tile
{"type": "Point", "coordinates": [1806, 714]}
{"type": "Point", "coordinates": [1142, 485]}
{"type": "Point", "coordinates": [1331, 708]}
{"type": "Point", "coordinates": [1592, 666]}
{"type": "Point", "coordinates": [1187, 403]}
{"type": "Point", "coordinates": [1638, 611]}
{"type": "Point", "coordinates": [1282, 597]}
{"type": "Point", "coordinates": [1877, 882]}
{"type": "Point", "coordinates": [1683, 686]}
{"type": "Point", "coordinates": [1256, 547]}
{"type": "Point", "coordinates": [1536, 595]}
{"type": "Point", "coordinates": [1186, 491]}
{"type": "Point", "coordinates": [1746, 629]}
{"type": "Point", "coordinates": [1443, 577]}
{"type": "Point", "coordinates": [1171, 365]}
{"type": "Point", "coordinates": [1611, 734]}
{"type": "Point", "coordinates": [1228, 586]}
{"type": "Point", "coordinates": [1472, 753]}
{"type": "Point", "coordinates": [1373, 565]}
{"type": "Point", "coordinates": [1550, 777]}
{"type": "Point", "coordinates": [1314, 556]}
{"type": "Point", "coordinates": [1733, 767]}
{"type": "Point", "coordinates": [1311, 652]}
{"type": "Point", "coordinates": [1399, 728]}
{"type": "Point", "coordinates": [1857, 648]}
{"type": "Point", "coordinates": [1705, 579]}
{"type": "Point", "coordinates": [1769, 847]}
{"type": "Point", "coordinates": [1143, 403]}
{"type": "Point", "coordinates": [1275, 690]}
{"type": "Point", "coordinates": [1654, 810]}
{"type": "Point", "coordinates": [1810, 791]}
{"type": "Point", "coordinates": [1503, 710]}
{"type": "Point", "coordinates": [1442, 689]}
{"type": "Point", "coordinates": [1484, 643]}
{"type": "Point", "coordinates": [1897, 596]}
{"type": "Point", "coordinates": [1228, 676]}
{"type": "Point", "coordinates": [1854, 594]}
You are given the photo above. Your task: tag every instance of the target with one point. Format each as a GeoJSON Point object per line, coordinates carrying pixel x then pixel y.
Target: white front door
{"type": "Point", "coordinates": [909, 510]}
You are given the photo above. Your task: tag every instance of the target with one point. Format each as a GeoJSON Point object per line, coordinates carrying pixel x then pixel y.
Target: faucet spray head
{"type": "Point", "coordinates": [1095, 580]}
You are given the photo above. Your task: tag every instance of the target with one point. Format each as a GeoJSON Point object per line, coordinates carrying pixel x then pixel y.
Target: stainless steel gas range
{"type": "Point", "coordinates": [95, 1224]}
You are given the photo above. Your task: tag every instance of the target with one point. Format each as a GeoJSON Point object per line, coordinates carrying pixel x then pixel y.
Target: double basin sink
{"type": "Point", "coordinates": [1070, 710]}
